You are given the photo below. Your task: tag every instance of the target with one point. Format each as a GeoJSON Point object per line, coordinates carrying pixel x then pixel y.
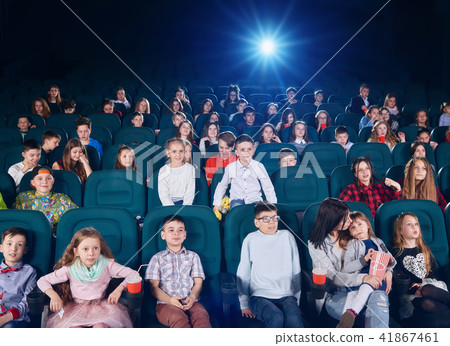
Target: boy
{"type": "Point", "coordinates": [318, 97]}
{"type": "Point", "coordinates": [242, 103]}
{"type": "Point", "coordinates": [224, 158]}
{"type": "Point", "coordinates": [137, 119]}
{"type": "Point", "coordinates": [269, 274]}
{"type": "Point", "coordinates": [31, 155]}
{"type": "Point", "coordinates": [287, 158]}
{"type": "Point", "coordinates": [84, 128]}
{"type": "Point", "coordinates": [424, 136]}
{"type": "Point", "coordinates": [360, 103]}
{"type": "Point", "coordinates": [50, 140]}
{"type": "Point", "coordinates": [17, 280]}
{"type": "Point", "coordinates": [372, 116]}
{"type": "Point", "coordinates": [177, 118]}
{"type": "Point", "coordinates": [248, 121]}
{"type": "Point", "coordinates": [24, 124]}
{"type": "Point", "coordinates": [341, 136]}
{"type": "Point", "coordinates": [69, 106]}
{"type": "Point", "coordinates": [246, 176]}
{"type": "Point", "coordinates": [290, 95]}
{"type": "Point", "coordinates": [176, 276]}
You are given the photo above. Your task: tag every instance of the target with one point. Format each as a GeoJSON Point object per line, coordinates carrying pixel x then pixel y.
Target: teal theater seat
{"type": "Point", "coordinates": [380, 156]}
{"type": "Point", "coordinates": [267, 154]}
{"type": "Point", "coordinates": [134, 135]}
{"type": "Point", "coordinates": [328, 155]}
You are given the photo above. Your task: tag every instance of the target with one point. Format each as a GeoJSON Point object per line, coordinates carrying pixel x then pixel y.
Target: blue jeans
{"type": "Point", "coordinates": [376, 310]}
{"type": "Point", "coordinates": [236, 202]}
{"type": "Point", "coordinates": [15, 324]}
{"type": "Point", "coordinates": [277, 313]}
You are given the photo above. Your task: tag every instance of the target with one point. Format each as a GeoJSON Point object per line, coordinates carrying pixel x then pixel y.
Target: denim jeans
{"type": "Point", "coordinates": [15, 324]}
{"type": "Point", "coordinates": [376, 310]}
{"type": "Point", "coordinates": [277, 313]}
{"type": "Point", "coordinates": [236, 202]}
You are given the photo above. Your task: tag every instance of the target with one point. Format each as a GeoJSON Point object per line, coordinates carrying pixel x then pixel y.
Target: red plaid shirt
{"type": "Point", "coordinates": [375, 195]}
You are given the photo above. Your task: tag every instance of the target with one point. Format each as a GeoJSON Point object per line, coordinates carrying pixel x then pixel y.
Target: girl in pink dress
{"type": "Point", "coordinates": [82, 276]}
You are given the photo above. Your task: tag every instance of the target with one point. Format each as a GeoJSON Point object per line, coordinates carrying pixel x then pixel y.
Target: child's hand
{"type": "Point", "coordinates": [216, 207]}
{"type": "Point", "coordinates": [175, 301]}
{"type": "Point", "coordinates": [388, 279]}
{"type": "Point", "coordinates": [276, 139]}
{"type": "Point", "coordinates": [115, 295]}
{"type": "Point", "coordinates": [368, 257]}
{"type": "Point", "coordinates": [393, 184]}
{"type": "Point", "coordinates": [188, 302]}
{"type": "Point", "coordinates": [32, 126]}
{"type": "Point", "coordinates": [417, 294]}
{"type": "Point", "coordinates": [56, 304]}
{"type": "Point", "coordinates": [402, 137]}
{"type": "Point", "coordinates": [247, 313]}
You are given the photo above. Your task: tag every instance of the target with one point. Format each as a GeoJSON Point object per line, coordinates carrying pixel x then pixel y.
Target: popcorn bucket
{"type": "Point", "coordinates": [379, 263]}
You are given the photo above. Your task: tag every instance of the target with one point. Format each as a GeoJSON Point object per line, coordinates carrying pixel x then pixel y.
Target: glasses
{"type": "Point", "coordinates": [266, 219]}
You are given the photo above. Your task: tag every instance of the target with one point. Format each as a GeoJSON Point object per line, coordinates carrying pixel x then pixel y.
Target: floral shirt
{"type": "Point", "coordinates": [53, 205]}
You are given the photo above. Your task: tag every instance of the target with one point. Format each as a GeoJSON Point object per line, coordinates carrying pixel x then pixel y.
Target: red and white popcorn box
{"type": "Point", "coordinates": [379, 263]}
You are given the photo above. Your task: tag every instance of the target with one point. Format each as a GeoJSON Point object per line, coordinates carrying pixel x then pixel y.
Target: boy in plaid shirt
{"type": "Point", "coordinates": [176, 276]}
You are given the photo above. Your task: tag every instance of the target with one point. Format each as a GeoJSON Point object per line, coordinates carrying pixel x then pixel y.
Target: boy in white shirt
{"type": "Point", "coordinates": [31, 155]}
{"type": "Point", "coordinates": [246, 176]}
{"type": "Point", "coordinates": [341, 136]}
{"type": "Point", "coordinates": [269, 286]}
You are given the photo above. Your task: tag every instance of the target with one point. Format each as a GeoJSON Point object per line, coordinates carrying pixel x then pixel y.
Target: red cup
{"type": "Point", "coordinates": [319, 276]}
{"type": "Point", "coordinates": [322, 126]}
{"type": "Point", "coordinates": [382, 139]}
{"type": "Point", "coordinates": [134, 284]}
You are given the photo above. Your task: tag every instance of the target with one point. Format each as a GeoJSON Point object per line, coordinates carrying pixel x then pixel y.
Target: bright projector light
{"type": "Point", "coordinates": [267, 47]}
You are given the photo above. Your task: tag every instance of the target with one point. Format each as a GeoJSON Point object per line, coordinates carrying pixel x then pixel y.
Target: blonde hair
{"type": "Point", "coordinates": [58, 97]}
{"type": "Point", "coordinates": [68, 257]}
{"type": "Point", "coordinates": [136, 108]}
{"type": "Point", "coordinates": [389, 138]}
{"type": "Point", "coordinates": [425, 189]}
{"type": "Point", "coordinates": [399, 242]}
{"type": "Point", "coordinates": [45, 108]}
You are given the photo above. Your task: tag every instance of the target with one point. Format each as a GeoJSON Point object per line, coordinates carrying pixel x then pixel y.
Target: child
{"type": "Point", "coordinates": [125, 158]}
{"type": "Point", "coordinates": [142, 106]}
{"type": "Point", "coordinates": [318, 97]}
{"type": "Point", "coordinates": [242, 103]}
{"type": "Point", "coordinates": [40, 107]}
{"type": "Point", "coordinates": [176, 276]}
{"type": "Point", "coordinates": [31, 155]}
{"type": "Point", "coordinates": [186, 131]}
{"type": "Point", "coordinates": [69, 106]}
{"type": "Point", "coordinates": [444, 119]}
{"type": "Point", "coordinates": [416, 261]}
{"type": "Point", "coordinates": [371, 117]}
{"type": "Point", "coordinates": [291, 92]}
{"type": "Point", "coordinates": [50, 140]}
{"type": "Point", "coordinates": [361, 102]}
{"type": "Point", "coordinates": [287, 119]}
{"type": "Point", "coordinates": [108, 107]}
{"type": "Point", "coordinates": [84, 129]}
{"type": "Point", "coordinates": [177, 118]}
{"type": "Point", "coordinates": [174, 106]}
{"type": "Point", "coordinates": [188, 153]}
{"type": "Point", "coordinates": [224, 158]}
{"type": "Point", "coordinates": [390, 102]}
{"type": "Point", "coordinates": [271, 110]}
{"type": "Point", "coordinates": [176, 179]}
{"type": "Point", "coordinates": [206, 107]}
{"type": "Point", "coordinates": [422, 119]}
{"type": "Point", "coordinates": [17, 279]}
{"type": "Point", "coordinates": [357, 258]}
{"type": "Point", "coordinates": [83, 272]}
{"type": "Point", "coordinates": [137, 119]}
{"type": "Point", "coordinates": [299, 136]}
{"type": "Point", "coordinates": [287, 158]}
{"type": "Point", "coordinates": [121, 98]}
{"type": "Point", "coordinates": [210, 133]}
{"type": "Point", "coordinates": [424, 136]}
{"type": "Point", "coordinates": [382, 129]}
{"type": "Point", "coordinates": [246, 176]}
{"type": "Point", "coordinates": [267, 134]}
{"type": "Point", "coordinates": [341, 136]}
{"type": "Point", "coordinates": [24, 124]}
{"type": "Point", "coordinates": [322, 120]}
{"type": "Point", "coordinates": [268, 275]}
{"type": "Point", "coordinates": [248, 121]}
{"type": "Point", "coordinates": [386, 116]}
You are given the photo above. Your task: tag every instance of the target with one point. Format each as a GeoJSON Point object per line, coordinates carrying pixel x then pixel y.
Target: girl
{"type": "Point", "coordinates": [390, 102]}
{"type": "Point", "coordinates": [287, 119]}
{"type": "Point", "coordinates": [357, 258]}
{"type": "Point", "coordinates": [232, 96]}
{"type": "Point", "coordinates": [180, 95]}
{"type": "Point", "coordinates": [40, 107]}
{"type": "Point", "coordinates": [267, 134]}
{"type": "Point", "coordinates": [422, 119]}
{"type": "Point", "coordinates": [417, 150]}
{"type": "Point", "coordinates": [322, 117]}
{"type": "Point", "coordinates": [444, 119]}
{"type": "Point", "coordinates": [382, 129]}
{"type": "Point", "coordinates": [299, 136]}
{"type": "Point", "coordinates": [108, 107]}
{"type": "Point", "coordinates": [424, 136]}
{"type": "Point", "coordinates": [175, 105]}
{"type": "Point", "coordinates": [365, 190]}
{"type": "Point", "coordinates": [82, 275]}
{"type": "Point", "coordinates": [54, 99]}
{"type": "Point", "coordinates": [272, 109]}
{"type": "Point", "coordinates": [206, 107]}
{"type": "Point", "coordinates": [75, 159]}
{"type": "Point", "coordinates": [125, 158]}
{"type": "Point", "coordinates": [419, 182]}
{"type": "Point", "coordinates": [176, 179]}
{"type": "Point", "coordinates": [327, 249]}
{"type": "Point", "coordinates": [122, 98]}
{"type": "Point", "coordinates": [210, 131]}
{"type": "Point", "coordinates": [385, 115]}
{"type": "Point", "coordinates": [214, 117]}
{"type": "Point", "coordinates": [186, 131]}
{"type": "Point", "coordinates": [142, 106]}
{"type": "Point", "coordinates": [416, 262]}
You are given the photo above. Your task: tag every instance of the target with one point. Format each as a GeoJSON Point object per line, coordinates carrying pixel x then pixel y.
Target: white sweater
{"type": "Point", "coordinates": [269, 267]}
{"type": "Point", "coordinates": [176, 183]}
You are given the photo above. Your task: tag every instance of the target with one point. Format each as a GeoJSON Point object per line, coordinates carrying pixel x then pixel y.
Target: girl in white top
{"type": "Point", "coordinates": [121, 98]}
{"type": "Point", "coordinates": [176, 179]}
{"type": "Point", "coordinates": [210, 133]}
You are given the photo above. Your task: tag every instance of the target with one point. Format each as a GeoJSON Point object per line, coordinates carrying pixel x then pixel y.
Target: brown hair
{"type": "Point", "coordinates": [13, 231]}
{"type": "Point", "coordinates": [191, 135]}
{"type": "Point", "coordinates": [305, 137]}
{"type": "Point", "coordinates": [118, 164]}
{"type": "Point", "coordinates": [170, 105]}
{"type": "Point", "coordinates": [58, 97]}
{"type": "Point", "coordinates": [399, 242]}
{"type": "Point", "coordinates": [74, 166]}
{"type": "Point", "coordinates": [389, 138]}
{"type": "Point", "coordinates": [228, 137]}
{"type": "Point", "coordinates": [136, 108]}
{"type": "Point", "coordinates": [45, 108]}
{"type": "Point", "coordinates": [425, 189]}
{"type": "Point", "coordinates": [68, 257]}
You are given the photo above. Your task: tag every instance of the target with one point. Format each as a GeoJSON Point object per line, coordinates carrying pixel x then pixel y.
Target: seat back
{"type": "Point", "coordinates": [380, 156]}
{"type": "Point", "coordinates": [165, 134]}
{"type": "Point", "coordinates": [298, 187]}
{"type": "Point", "coordinates": [116, 188]}
{"type": "Point", "coordinates": [116, 225]}
{"type": "Point", "coordinates": [401, 153]}
{"type": "Point", "coordinates": [150, 120]}
{"type": "Point", "coordinates": [35, 120]}
{"type": "Point", "coordinates": [66, 121]}
{"type": "Point", "coordinates": [365, 133]}
{"type": "Point", "coordinates": [36, 133]}
{"type": "Point", "coordinates": [10, 137]}
{"type": "Point", "coordinates": [7, 189]}
{"type": "Point", "coordinates": [39, 236]}
{"type": "Point", "coordinates": [348, 120]}
{"type": "Point", "coordinates": [410, 132]}
{"type": "Point", "coordinates": [10, 155]}
{"type": "Point", "coordinates": [442, 153]}
{"type": "Point", "coordinates": [340, 177]}
{"type": "Point", "coordinates": [333, 109]}
{"type": "Point", "coordinates": [328, 155]}
{"type": "Point", "coordinates": [438, 134]}
{"type": "Point", "coordinates": [267, 154]}
{"type": "Point", "coordinates": [134, 135]}
{"type": "Point", "coordinates": [108, 120]}
{"type": "Point", "coordinates": [444, 181]}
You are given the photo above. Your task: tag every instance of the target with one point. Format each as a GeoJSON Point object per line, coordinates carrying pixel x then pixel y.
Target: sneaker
{"type": "Point", "coordinates": [347, 320]}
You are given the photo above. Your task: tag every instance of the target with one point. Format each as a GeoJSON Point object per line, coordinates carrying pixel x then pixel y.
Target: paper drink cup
{"type": "Point", "coordinates": [319, 276]}
{"type": "Point", "coordinates": [134, 284]}
{"type": "Point", "coordinates": [382, 139]}
{"type": "Point", "coordinates": [322, 126]}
